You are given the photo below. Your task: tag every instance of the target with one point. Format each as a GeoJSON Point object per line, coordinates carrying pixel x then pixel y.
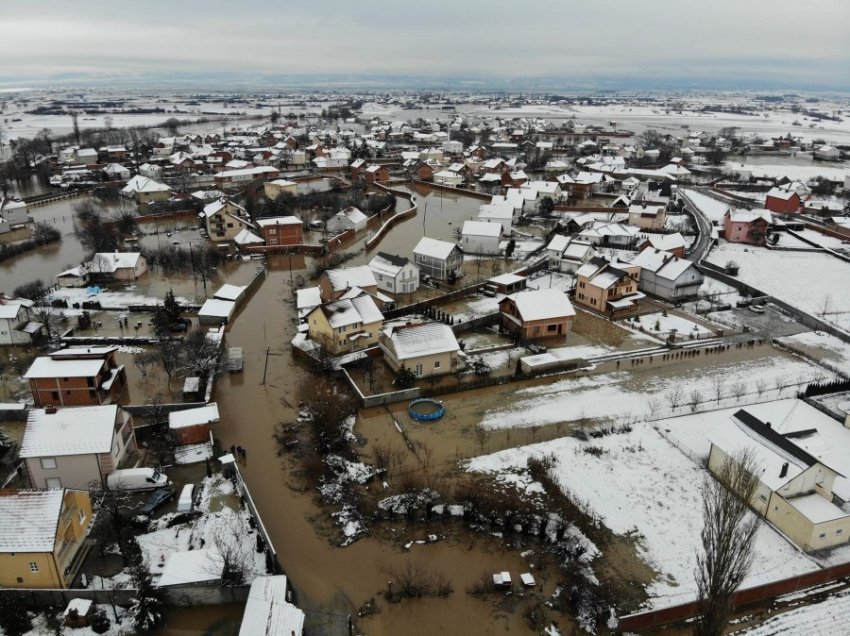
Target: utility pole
{"type": "Point", "coordinates": [266, 365]}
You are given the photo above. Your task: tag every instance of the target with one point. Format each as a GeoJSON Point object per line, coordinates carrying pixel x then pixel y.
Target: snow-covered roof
{"type": "Point", "coordinates": [230, 292]}
{"type": "Point", "coordinates": [51, 367]}
{"type": "Point", "coordinates": [110, 262]}
{"type": "Point", "coordinates": [662, 263]}
{"type": "Point", "coordinates": [353, 214]}
{"type": "Point", "coordinates": [81, 430]}
{"type": "Point", "coordinates": [347, 277]}
{"type": "Point", "coordinates": [10, 308]}
{"type": "Point", "coordinates": [429, 338]}
{"type": "Point", "coordinates": [816, 508]}
{"type": "Point", "coordinates": [192, 566]}
{"type": "Point", "coordinates": [781, 193]}
{"type": "Point", "coordinates": [247, 237]}
{"type": "Point", "coordinates": [279, 220]}
{"type": "Point", "coordinates": [434, 248]}
{"type": "Point", "coordinates": [481, 228]}
{"type": "Point", "coordinates": [259, 170]}
{"type": "Point", "coordinates": [308, 298]}
{"type": "Point", "coordinates": [542, 304]}
{"type": "Point", "coordinates": [506, 279]}
{"type": "Point", "coordinates": [217, 308]}
{"type": "Point", "coordinates": [267, 611]}
{"type": "Point", "coordinates": [666, 241]}
{"type": "Point", "coordinates": [144, 184]}
{"type": "Point", "coordinates": [28, 520]}
{"type": "Point", "coordinates": [388, 264]}
{"type": "Point", "coordinates": [207, 414]}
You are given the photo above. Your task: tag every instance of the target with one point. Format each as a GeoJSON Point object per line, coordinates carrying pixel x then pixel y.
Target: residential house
{"type": "Point", "coordinates": [514, 179]}
{"type": "Point", "coordinates": [479, 237]}
{"type": "Point", "coordinates": [437, 258]}
{"type": "Point", "coordinates": [273, 189]}
{"type": "Point", "coordinates": [608, 234]}
{"type": "Point", "coordinates": [350, 218]}
{"type": "Point", "coordinates": [610, 288]}
{"type": "Point", "coordinates": [115, 266]}
{"type": "Point", "coordinates": [17, 326]}
{"type": "Point", "coordinates": [448, 178]}
{"type": "Point", "coordinates": [193, 426]}
{"type": "Point", "coordinates": [741, 226]}
{"type": "Point", "coordinates": [395, 274]}
{"type": "Point", "coordinates": [13, 213]}
{"type": "Point", "coordinates": [352, 322]}
{"type": "Point", "coordinates": [376, 174]}
{"type": "Point", "coordinates": [647, 217]}
{"type": "Point", "coordinates": [281, 230]}
{"type": "Point", "coordinates": [87, 156]}
{"type": "Point", "coordinates": [77, 376]}
{"type": "Point", "coordinates": [224, 219]}
{"type": "Point", "coordinates": [539, 313]}
{"type": "Point", "coordinates": [795, 488]}
{"type": "Point", "coordinates": [75, 447]}
{"type": "Point", "coordinates": [782, 201]}
{"type": "Point", "coordinates": [567, 253]}
{"type": "Point", "coordinates": [673, 243]}
{"type": "Point", "coordinates": [828, 153]}
{"type": "Point", "coordinates": [244, 176]}
{"type": "Point", "coordinates": [667, 276]}
{"type": "Point", "coordinates": [42, 537]}
{"type": "Point", "coordinates": [502, 213]}
{"type": "Point", "coordinates": [335, 282]}
{"type": "Point", "coordinates": [427, 349]}
{"type": "Point", "coordinates": [116, 172]}
{"type": "Point", "coordinates": [216, 312]}
{"type": "Point", "coordinates": [145, 190]}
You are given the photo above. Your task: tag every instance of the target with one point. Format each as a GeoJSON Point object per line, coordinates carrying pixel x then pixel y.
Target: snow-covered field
{"type": "Point", "coordinates": [640, 485]}
{"type": "Point", "coordinates": [108, 299]}
{"type": "Point", "coordinates": [621, 394]}
{"type": "Point", "coordinates": [793, 171]}
{"type": "Point", "coordinates": [712, 208]}
{"type": "Point", "coordinates": [806, 280]}
{"type": "Point", "coordinates": [823, 346]}
{"type": "Point", "coordinates": [814, 619]}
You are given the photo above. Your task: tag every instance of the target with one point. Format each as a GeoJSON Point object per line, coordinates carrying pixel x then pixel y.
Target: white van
{"type": "Point", "coordinates": [184, 504]}
{"type": "Point", "coordinates": [136, 479]}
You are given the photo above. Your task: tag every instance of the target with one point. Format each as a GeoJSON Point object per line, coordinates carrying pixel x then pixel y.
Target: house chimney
{"type": "Point", "coordinates": [784, 470]}
{"type": "Point", "coordinates": [50, 410]}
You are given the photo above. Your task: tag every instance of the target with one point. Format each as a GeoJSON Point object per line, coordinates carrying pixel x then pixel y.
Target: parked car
{"type": "Point", "coordinates": [186, 502]}
{"type": "Point", "coordinates": [136, 479]}
{"type": "Point", "coordinates": [156, 499]}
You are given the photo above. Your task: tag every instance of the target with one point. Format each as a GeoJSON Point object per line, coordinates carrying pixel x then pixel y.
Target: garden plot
{"type": "Point", "coordinates": [830, 242]}
{"type": "Point", "coordinates": [662, 325]}
{"type": "Point", "coordinates": [814, 282]}
{"type": "Point", "coordinates": [629, 394]}
{"type": "Point", "coordinates": [821, 617]}
{"type": "Point", "coordinates": [551, 280]}
{"type": "Point", "coordinates": [822, 346]}
{"type": "Point", "coordinates": [641, 486]}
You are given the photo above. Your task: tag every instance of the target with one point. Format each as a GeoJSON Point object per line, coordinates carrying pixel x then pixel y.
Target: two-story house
{"type": "Point", "coordinates": [667, 276]}
{"type": "Point", "coordinates": [352, 322]}
{"type": "Point", "coordinates": [610, 288]}
{"type": "Point", "coordinates": [647, 217]}
{"type": "Point", "coordinates": [42, 537]}
{"type": "Point", "coordinates": [746, 227]}
{"type": "Point", "coordinates": [16, 321]}
{"type": "Point", "coordinates": [335, 282]}
{"type": "Point", "coordinates": [77, 376]}
{"type": "Point", "coordinates": [224, 219]}
{"type": "Point", "coordinates": [281, 230]}
{"type": "Point", "coordinates": [74, 448]}
{"type": "Point", "coordinates": [395, 274]}
{"type": "Point", "coordinates": [437, 258]}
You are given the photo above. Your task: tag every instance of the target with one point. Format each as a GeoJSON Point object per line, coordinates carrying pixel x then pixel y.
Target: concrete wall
{"type": "Point", "coordinates": [74, 471]}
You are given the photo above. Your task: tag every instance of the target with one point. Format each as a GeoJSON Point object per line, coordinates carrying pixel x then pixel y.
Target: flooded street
{"type": "Point", "coordinates": [333, 582]}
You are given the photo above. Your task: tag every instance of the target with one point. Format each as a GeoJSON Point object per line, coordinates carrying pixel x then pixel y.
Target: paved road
{"type": "Point", "coordinates": [699, 248]}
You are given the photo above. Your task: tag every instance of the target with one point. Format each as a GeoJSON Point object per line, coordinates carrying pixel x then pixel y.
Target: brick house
{"type": "Point", "coordinates": [281, 230]}
{"type": "Point", "coordinates": [193, 426]}
{"type": "Point", "coordinates": [78, 376]}
{"type": "Point", "coordinates": [782, 201]}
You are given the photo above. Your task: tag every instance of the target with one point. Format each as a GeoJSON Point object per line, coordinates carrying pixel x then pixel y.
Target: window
{"type": "Point", "coordinates": [551, 328]}
{"type": "Point", "coordinates": [436, 364]}
{"type": "Point", "coordinates": [53, 483]}
{"type": "Point", "coordinates": [81, 515]}
{"type": "Point", "coordinates": [33, 566]}
{"type": "Point", "coordinates": [54, 395]}
{"type": "Point", "coordinates": [822, 535]}
{"type": "Point", "coordinates": [763, 498]}
{"type": "Point", "coordinates": [839, 531]}
{"type": "Point", "coordinates": [48, 463]}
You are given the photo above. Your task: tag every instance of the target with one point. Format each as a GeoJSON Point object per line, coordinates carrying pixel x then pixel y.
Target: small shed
{"type": "Point", "coordinates": [192, 567]}
{"type": "Point", "coordinates": [233, 293]}
{"type": "Point", "coordinates": [193, 426]}
{"type": "Point", "coordinates": [502, 581]}
{"type": "Point", "coordinates": [76, 615]}
{"type": "Point", "coordinates": [192, 389]}
{"type": "Point", "coordinates": [507, 283]}
{"type": "Point", "coordinates": [216, 312]}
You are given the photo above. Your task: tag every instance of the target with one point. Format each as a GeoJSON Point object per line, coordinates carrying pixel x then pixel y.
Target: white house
{"type": "Point", "coordinates": [830, 153]}
{"type": "Point", "coordinates": [16, 324]}
{"type": "Point", "coordinates": [479, 237]}
{"type": "Point", "coordinates": [13, 212]}
{"type": "Point", "coordinates": [117, 171]}
{"type": "Point", "coordinates": [123, 266]}
{"type": "Point", "coordinates": [437, 258]}
{"type": "Point", "coordinates": [502, 213]}
{"type": "Point", "coordinates": [566, 254]}
{"type": "Point", "coordinates": [146, 190]}
{"type": "Point", "coordinates": [667, 276]}
{"type": "Point", "coordinates": [448, 178]}
{"type": "Point", "coordinates": [395, 274]}
{"type": "Point", "coordinates": [351, 218]}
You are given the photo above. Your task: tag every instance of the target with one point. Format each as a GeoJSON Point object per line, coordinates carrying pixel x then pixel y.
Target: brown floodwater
{"type": "Point", "coordinates": [333, 582]}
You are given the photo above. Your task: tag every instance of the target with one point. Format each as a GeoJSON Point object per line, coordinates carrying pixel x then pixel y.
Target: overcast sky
{"type": "Point", "coordinates": [786, 42]}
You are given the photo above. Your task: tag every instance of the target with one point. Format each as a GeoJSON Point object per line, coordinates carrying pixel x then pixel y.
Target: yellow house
{"type": "Point", "coordinates": [42, 537]}
{"type": "Point", "coordinates": [273, 189]}
{"type": "Point", "coordinates": [350, 323]}
{"type": "Point", "coordinates": [794, 490]}
{"type": "Point", "coordinates": [426, 349]}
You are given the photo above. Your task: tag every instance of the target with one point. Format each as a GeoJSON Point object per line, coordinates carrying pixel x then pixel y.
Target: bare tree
{"type": "Point", "coordinates": [761, 386]}
{"type": "Point", "coordinates": [674, 396]}
{"type": "Point", "coordinates": [728, 537]}
{"type": "Point", "coordinates": [718, 383]}
{"type": "Point", "coordinates": [144, 360]}
{"type": "Point", "coordinates": [694, 399]}
{"type": "Point", "coordinates": [652, 405]}
{"type": "Point", "coordinates": [738, 389]}
{"type": "Point", "coordinates": [826, 306]}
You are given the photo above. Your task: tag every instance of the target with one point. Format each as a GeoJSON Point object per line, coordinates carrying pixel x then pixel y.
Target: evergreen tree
{"type": "Point", "coordinates": [146, 610]}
